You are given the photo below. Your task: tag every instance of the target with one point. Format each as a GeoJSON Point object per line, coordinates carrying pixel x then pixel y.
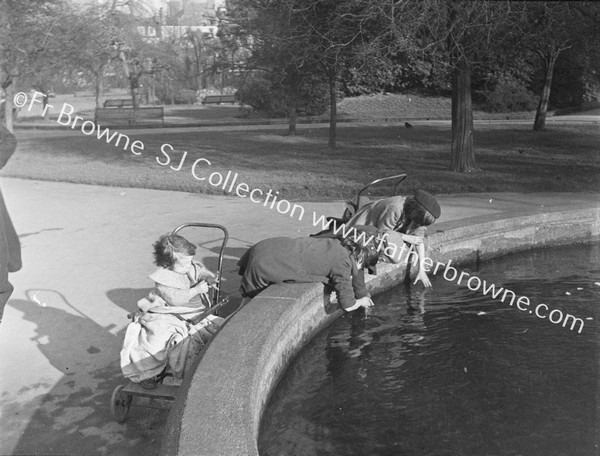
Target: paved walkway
{"type": "Point", "coordinates": [86, 255]}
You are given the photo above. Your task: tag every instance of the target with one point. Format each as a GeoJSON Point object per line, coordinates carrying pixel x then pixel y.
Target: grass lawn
{"type": "Point", "coordinates": [511, 156]}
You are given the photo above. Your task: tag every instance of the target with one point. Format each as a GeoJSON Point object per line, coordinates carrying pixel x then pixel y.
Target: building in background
{"type": "Point", "coordinates": [174, 18]}
{"type": "Point", "coordinates": [194, 12]}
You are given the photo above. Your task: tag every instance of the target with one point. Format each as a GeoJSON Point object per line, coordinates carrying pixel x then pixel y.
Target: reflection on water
{"type": "Point", "coordinates": [451, 372]}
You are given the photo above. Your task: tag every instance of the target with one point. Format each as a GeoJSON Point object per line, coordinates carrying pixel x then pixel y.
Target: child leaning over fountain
{"type": "Point", "coordinates": [162, 335]}
{"type": "Point", "coordinates": [402, 220]}
{"type": "Point", "coordinates": [328, 260]}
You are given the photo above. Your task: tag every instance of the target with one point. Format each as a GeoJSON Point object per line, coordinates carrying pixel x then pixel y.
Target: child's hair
{"type": "Point", "coordinates": [414, 211]}
{"type": "Point", "coordinates": [361, 251]}
{"type": "Point", "coordinates": [169, 244]}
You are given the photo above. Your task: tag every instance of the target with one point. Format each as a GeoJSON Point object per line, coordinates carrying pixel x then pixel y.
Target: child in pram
{"type": "Point", "coordinates": [165, 335]}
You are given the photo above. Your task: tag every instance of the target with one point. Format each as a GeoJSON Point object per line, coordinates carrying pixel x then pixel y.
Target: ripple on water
{"type": "Point", "coordinates": [451, 371]}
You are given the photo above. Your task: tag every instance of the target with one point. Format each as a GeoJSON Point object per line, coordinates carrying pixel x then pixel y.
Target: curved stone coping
{"type": "Point", "coordinates": [475, 242]}
{"type": "Point", "coordinates": [218, 412]}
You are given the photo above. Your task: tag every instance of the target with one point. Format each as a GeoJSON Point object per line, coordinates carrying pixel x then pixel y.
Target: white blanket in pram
{"type": "Point", "coordinates": [157, 338]}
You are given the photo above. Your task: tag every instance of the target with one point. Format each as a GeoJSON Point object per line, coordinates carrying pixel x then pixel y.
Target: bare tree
{"type": "Point", "coordinates": [552, 28]}
{"type": "Point", "coordinates": [300, 39]}
{"type": "Point", "coordinates": [141, 8]}
{"type": "Point", "coordinates": [137, 57]}
{"type": "Point", "coordinates": [265, 29]}
{"type": "Point", "coordinates": [28, 42]}
{"type": "Point", "coordinates": [465, 34]}
{"type": "Point", "coordinates": [201, 44]}
{"type": "Point", "coordinates": [91, 33]}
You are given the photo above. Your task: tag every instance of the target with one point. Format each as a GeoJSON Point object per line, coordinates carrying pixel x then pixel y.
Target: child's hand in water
{"type": "Point", "coordinates": [422, 276]}
{"type": "Point", "coordinates": [202, 287]}
{"type": "Point", "coordinates": [365, 302]}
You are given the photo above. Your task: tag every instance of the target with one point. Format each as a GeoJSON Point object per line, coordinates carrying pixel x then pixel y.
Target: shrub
{"type": "Point", "coordinates": [255, 92]}
{"type": "Point", "coordinates": [181, 96]}
{"type": "Point", "coordinates": [509, 94]}
{"type": "Point", "coordinates": [185, 96]}
{"type": "Point", "coordinates": [271, 99]}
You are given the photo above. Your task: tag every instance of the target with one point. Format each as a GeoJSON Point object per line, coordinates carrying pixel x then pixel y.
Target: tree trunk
{"type": "Point", "coordinates": [9, 94]}
{"type": "Point", "coordinates": [99, 86]}
{"type": "Point", "coordinates": [46, 96]}
{"type": "Point", "coordinates": [293, 113]}
{"type": "Point", "coordinates": [135, 96]}
{"type": "Point", "coordinates": [540, 115]}
{"type": "Point", "coordinates": [332, 111]}
{"type": "Point", "coordinates": [133, 81]}
{"type": "Point", "coordinates": [462, 156]}
{"type": "Point", "coordinates": [198, 57]}
{"type": "Point", "coordinates": [135, 91]}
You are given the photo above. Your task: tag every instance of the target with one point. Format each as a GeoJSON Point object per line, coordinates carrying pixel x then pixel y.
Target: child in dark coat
{"type": "Point", "coordinates": [327, 260]}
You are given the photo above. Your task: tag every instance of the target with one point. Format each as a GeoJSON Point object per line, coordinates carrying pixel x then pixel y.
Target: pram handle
{"type": "Point", "coordinates": [195, 320]}
{"type": "Point", "coordinates": [209, 311]}
{"type": "Point", "coordinates": [217, 290]}
{"type": "Point", "coordinates": [400, 178]}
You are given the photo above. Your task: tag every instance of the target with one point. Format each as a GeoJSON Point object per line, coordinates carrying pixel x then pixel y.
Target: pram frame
{"type": "Point", "coordinates": [352, 206]}
{"type": "Point", "coordinates": [400, 178]}
{"type": "Point", "coordinates": [122, 397]}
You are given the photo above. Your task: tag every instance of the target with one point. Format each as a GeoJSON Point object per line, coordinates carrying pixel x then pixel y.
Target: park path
{"type": "Point", "coordinates": [389, 109]}
{"type": "Point", "coordinates": [87, 254]}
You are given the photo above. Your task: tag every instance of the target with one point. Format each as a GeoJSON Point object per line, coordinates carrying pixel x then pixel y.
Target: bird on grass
{"type": "Point", "coordinates": [407, 125]}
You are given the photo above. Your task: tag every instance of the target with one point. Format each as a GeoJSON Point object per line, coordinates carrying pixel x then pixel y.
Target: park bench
{"type": "Point", "coordinates": [129, 116]}
{"type": "Point", "coordinates": [119, 103]}
{"type": "Point", "coordinates": [218, 99]}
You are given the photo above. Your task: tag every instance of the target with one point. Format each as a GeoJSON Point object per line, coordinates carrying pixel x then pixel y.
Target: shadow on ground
{"type": "Point", "coordinates": [74, 417]}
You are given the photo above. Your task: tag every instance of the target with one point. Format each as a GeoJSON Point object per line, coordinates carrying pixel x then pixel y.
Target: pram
{"type": "Point", "coordinates": [122, 396]}
{"type": "Point", "coordinates": [352, 206]}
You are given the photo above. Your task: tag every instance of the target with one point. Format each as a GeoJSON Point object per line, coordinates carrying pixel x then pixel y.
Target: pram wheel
{"type": "Point", "coordinates": [120, 403]}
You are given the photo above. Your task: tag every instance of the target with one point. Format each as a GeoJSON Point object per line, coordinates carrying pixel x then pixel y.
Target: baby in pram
{"type": "Point", "coordinates": [164, 333]}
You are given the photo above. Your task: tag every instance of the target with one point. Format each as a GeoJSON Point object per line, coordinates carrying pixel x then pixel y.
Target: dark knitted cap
{"type": "Point", "coordinates": [428, 201]}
